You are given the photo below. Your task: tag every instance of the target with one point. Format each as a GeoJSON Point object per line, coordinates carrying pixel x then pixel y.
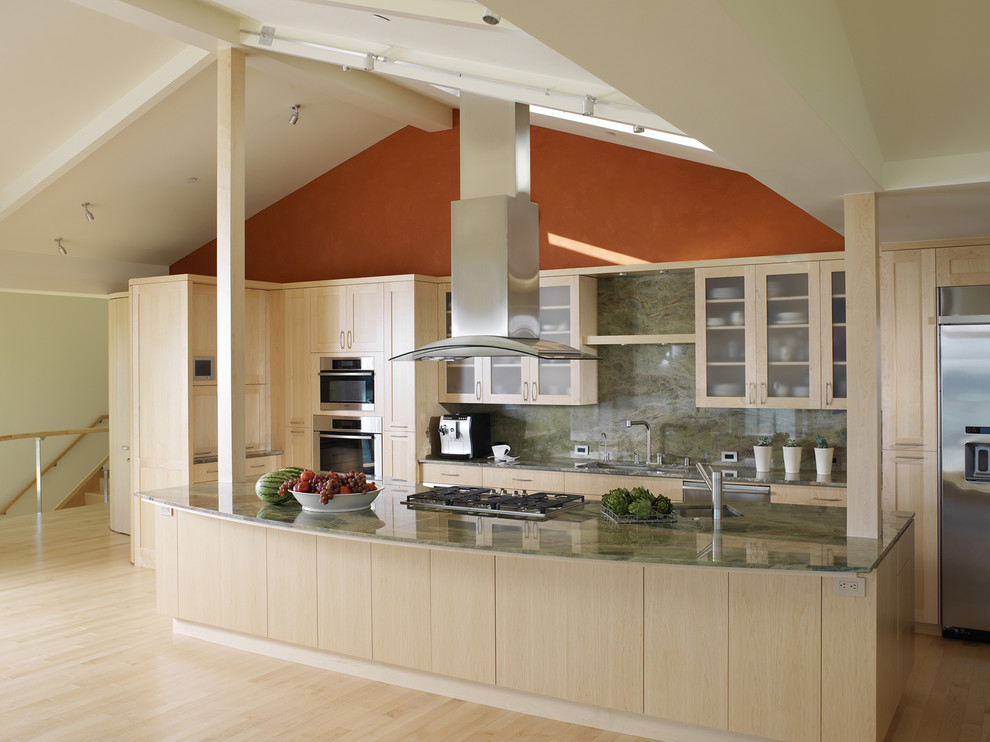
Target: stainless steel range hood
{"type": "Point", "coordinates": [495, 243]}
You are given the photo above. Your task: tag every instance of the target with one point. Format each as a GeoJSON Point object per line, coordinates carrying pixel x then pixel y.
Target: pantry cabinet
{"type": "Point", "coordinates": [347, 319]}
{"type": "Point", "coordinates": [568, 314]}
{"type": "Point", "coordinates": [766, 338]}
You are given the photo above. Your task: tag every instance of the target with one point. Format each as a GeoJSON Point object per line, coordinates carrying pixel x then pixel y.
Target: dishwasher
{"type": "Point", "coordinates": [695, 490]}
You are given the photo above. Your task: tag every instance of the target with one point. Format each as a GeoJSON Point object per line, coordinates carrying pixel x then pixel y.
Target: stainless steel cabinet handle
{"type": "Point", "coordinates": [517, 479]}
{"type": "Point", "coordinates": [763, 393]}
{"type": "Point", "coordinates": [525, 391]}
{"type": "Point", "coordinates": [535, 388]}
{"type": "Point", "coordinates": [752, 393]}
{"type": "Point", "coordinates": [341, 339]}
{"type": "Point", "coordinates": [909, 458]}
{"type": "Point", "coordinates": [828, 394]}
{"type": "Point", "coordinates": [348, 338]}
{"type": "Point", "coordinates": [125, 448]}
{"type": "Point", "coordinates": [477, 392]}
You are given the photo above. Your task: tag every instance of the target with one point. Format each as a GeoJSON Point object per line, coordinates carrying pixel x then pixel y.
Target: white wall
{"type": "Point", "coordinates": [53, 375]}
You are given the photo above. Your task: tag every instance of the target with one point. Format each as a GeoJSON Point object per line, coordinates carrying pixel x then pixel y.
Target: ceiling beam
{"type": "Point", "coordinates": [189, 21]}
{"type": "Point", "coordinates": [89, 137]}
{"type": "Point", "coordinates": [694, 64]}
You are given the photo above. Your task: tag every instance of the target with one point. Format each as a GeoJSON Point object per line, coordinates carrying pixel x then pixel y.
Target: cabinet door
{"type": "Point", "coordinates": [400, 605]}
{"type": "Point", "coordinates": [298, 373]}
{"type": "Point", "coordinates": [400, 337]}
{"type": "Point", "coordinates": [436, 473]}
{"type": "Point", "coordinates": [255, 336]}
{"type": "Point", "coordinates": [788, 335]}
{"type": "Point", "coordinates": [907, 349]}
{"type": "Point", "coordinates": [506, 379]}
{"type": "Point", "coordinates": [343, 570]}
{"type": "Point", "coordinates": [568, 313]}
{"type": "Point", "coordinates": [796, 494]}
{"type": "Point", "coordinates": [298, 447]}
{"type": "Point", "coordinates": [255, 417]}
{"type": "Point", "coordinates": [910, 483]}
{"type": "Point", "coordinates": [292, 587]}
{"type": "Point", "coordinates": [462, 610]}
{"type": "Point", "coordinates": [834, 382]}
{"type": "Point", "coordinates": [725, 318]}
{"type": "Point", "coordinates": [329, 319]}
{"type": "Point", "coordinates": [963, 266]}
{"type": "Point", "coordinates": [205, 438]}
{"type": "Point", "coordinates": [400, 455]}
{"type": "Point", "coordinates": [364, 330]}
{"type": "Point", "coordinates": [460, 381]}
{"type": "Point", "coordinates": [203, 320]}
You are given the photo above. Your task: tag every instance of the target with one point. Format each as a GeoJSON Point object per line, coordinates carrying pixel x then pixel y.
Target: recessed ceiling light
{"type": "Point", "coordinates": [191, 180]}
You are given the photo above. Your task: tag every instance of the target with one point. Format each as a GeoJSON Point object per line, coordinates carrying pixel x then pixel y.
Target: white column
{"type": "Point", "coordinates": [230, 264]}
{"type": "Point", "coordinates": [863, 503]}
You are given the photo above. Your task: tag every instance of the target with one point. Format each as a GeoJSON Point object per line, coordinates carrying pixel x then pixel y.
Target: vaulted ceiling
{"type": "Point", "coordinates": [113, 103]}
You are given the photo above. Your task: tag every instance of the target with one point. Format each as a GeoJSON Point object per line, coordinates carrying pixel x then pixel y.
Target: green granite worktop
{"type": "Point", "coordinates": [730, 472]}
{"type": "Point", "coordinates": [765, 536]}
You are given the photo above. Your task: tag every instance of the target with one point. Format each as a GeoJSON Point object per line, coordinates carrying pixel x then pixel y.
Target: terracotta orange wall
{"type": "Point", "coordinates": [386, 211]}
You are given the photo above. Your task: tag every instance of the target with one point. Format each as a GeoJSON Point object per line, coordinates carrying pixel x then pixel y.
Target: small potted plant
{"type": "Point", "coordinates": [762, 451]}
{"type": "Point", "coordinates": [792, 456]}
{"type": "Point", "coordinates": [823, 456]}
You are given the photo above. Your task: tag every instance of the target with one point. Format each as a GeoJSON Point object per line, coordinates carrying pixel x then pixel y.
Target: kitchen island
{"type": "Point", "coordinates": [672, 630]}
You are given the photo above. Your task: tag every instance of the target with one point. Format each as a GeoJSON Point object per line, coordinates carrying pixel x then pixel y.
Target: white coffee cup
{"type": "Point", "coordinates": [500, 450]}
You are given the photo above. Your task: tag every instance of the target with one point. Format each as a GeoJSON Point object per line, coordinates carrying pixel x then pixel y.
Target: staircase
{"type": "Point", "coordinates": [90, 490]}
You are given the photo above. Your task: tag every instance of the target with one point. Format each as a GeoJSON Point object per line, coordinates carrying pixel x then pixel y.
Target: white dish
{"type": "Point", "coordinates": [347, 503]}
{"type": "Point", "coordinates": [716, 321]}
{"type": "Point", "coordinates": [728, 390]}
{"type": "Point", "coordinates": [792, 317]}
{"type": "Point", "coordinates": [726, 292]}
{"type": "Point", "coordinates": [800, 391]}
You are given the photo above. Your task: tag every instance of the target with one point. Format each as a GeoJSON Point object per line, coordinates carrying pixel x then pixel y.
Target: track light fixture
{"type": "Point", "coordinates": [295, 115]}
{"type": "Point", "coordinates": [88, 213]}
{"type": "Point", "coordinates": [490, 18]}
{"type": "Point", "coordinates": [58, 241]}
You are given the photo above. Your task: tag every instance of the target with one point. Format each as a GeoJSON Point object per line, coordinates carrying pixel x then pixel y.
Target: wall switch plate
{"type": "Point", "coordinates": [730, 457]}
{"type": "Point", "coordinates": [854, 586]}
{"type": "Point", "coordinates": [581, 450]}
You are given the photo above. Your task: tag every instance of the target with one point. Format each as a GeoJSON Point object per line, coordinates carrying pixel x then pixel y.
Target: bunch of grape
{"type": "Point", "coordinates": [327, 485]}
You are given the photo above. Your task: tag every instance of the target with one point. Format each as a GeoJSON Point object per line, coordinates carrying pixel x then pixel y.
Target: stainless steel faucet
{"type": "Point", "coordinates": [714, 481]}
{"type": "Point", "coordinates": [649, 444]}
{"type": "Point", "coordinates": [603, 447]}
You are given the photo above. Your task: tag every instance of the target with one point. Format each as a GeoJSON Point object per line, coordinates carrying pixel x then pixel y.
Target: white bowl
{"type": "Point", "coordinates": [347, 503]}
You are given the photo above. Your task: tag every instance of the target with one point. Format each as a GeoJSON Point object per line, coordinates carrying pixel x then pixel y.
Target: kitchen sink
{"type": "Point", "coordinates": [699, 510]}
{"type": "Point", "coordinates": [622, 466]}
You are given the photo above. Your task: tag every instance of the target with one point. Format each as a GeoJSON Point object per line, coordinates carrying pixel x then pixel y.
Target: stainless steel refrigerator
{"type": "Point", "coordinates": [964, 454]}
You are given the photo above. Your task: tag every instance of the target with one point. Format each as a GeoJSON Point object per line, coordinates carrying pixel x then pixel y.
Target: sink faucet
{"type": "Point", "coordinates": [714, 481]}
{"type": "Point", "coordinates": [603, 447]}
{"type": "Point", "coordinates": [649, 446]}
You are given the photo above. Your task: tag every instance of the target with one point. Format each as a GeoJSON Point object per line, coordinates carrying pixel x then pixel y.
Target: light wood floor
{"type": "Point", "coordinates": [84, 656]}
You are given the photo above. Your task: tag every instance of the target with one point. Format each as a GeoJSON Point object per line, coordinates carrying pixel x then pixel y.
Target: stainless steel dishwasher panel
{"type": "Point", "coordinates": [694, 490]}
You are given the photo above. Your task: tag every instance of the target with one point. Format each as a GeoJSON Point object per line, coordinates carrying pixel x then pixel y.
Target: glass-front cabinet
{"type": "Point", "coordinates": [568, 312]}
{"type": "Point", "coordinates": [771, 336]}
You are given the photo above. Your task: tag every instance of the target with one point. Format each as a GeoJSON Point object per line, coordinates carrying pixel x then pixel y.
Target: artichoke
{"type": "Point", "coordinates": [641, 508]}
{"type": "Point", "coordinates": [663, 505]}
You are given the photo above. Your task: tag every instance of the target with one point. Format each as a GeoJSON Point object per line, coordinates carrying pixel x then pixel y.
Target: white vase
{"type": "Point", "coordinates": [792, 459]}
{"type": "Point", "coordinates": [823, 460]}
{"type": "Point", "coordinates": [762, 454]}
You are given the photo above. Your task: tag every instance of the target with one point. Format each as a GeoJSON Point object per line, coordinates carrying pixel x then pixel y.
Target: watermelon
{"type": "Point", "coordinates": [268, 485]}
{"type": "Point", "coordinates": [295, 471]}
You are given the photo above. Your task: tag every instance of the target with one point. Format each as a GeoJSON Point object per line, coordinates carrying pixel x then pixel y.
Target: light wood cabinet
{"type": "Point", "coordinates": [204, 419]}
{"type": "Point", "coordinates": [256, 417]}
{"type": "Point", "coordinates": [343, 570]}
{"type": "Point", "coordinates": [686, 645]}
{"type": "Point", "coordinates": [299, 381]}
{"type": "Point", "coordinates": [347, 319]}
{"type": "Point", "coordinates": [459, 381]}
{"type": "Point", "coordinates": [400, 605]}
{"type": "Point", "coordinates": [908, 334]}
{"type": "Point", "coordinates": [568, 314]}
{"type": "Point", "coordinates": [762, 336]}
{"type": "Point", "coordinates": [292, 587]}
{"type": "Point", "coordinates": [596, 485]}
{"type": "Point", "coordinates": [399, 450]}
{"type": "Point", "coordinates": [462, 611]}
{"type": "Point", "coordinates": [572, 631]}
{"type": "Point", "coordinates": [775, 656]}
{"type": "Point", "coordinates": [910, 483]}
{"type": "Point", "coordinates": [963, 266]}
{"type": "Point", "coordinates": [796, 494]}
{"type": "Point", "coordinates": [453, 473]}
{"type": "Point", "coordinates": [297, 447]}
{"type": "Point", "coordinates": [255, 336]}
{"type": "Point", "coordinates": [532, 480]}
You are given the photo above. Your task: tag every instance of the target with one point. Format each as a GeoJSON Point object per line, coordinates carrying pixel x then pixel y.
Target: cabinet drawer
{"type": "Point", "coordinates": [595, 485]}
{"type": "Point", "coordinates": [524, 479]}
{"type": "Point", "coordinates": [205, 472]}
{"type": "Point", "coordinates": [802, 495]}
{"type": "Point", "coordinates": [451, 474]}
{"type": "Point", "coordinates": [257, 466]}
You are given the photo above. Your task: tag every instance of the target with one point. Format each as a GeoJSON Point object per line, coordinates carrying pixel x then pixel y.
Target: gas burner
{"type": "Point", "coordinates": [498, 503]}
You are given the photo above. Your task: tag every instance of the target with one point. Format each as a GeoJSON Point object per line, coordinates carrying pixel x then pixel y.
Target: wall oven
{"type": "Point", "coordinates": [348, 444]}
{"type": "Point", "coordinates": [347, 384]}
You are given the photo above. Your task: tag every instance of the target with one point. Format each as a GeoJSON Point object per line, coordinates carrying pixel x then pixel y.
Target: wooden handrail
{"type": "Point", "coordinates": [79, 432]}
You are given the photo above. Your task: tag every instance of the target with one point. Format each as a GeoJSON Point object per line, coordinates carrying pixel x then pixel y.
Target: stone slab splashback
{"type": "Point", "coordinates": [655, 383]}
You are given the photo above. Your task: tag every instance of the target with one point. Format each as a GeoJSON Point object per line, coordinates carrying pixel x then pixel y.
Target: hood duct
{"type": "Point", "coordinates": [495, 243]}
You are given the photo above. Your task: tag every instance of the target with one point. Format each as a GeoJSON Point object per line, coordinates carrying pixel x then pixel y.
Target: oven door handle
{"type": "Point", "coordinates": [347, 436]}
{"type": "Point", "coordinates": [370, 374]}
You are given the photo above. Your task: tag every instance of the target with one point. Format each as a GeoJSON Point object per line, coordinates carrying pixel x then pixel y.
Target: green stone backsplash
{"type": "Point", "coordinates": [656, 384]}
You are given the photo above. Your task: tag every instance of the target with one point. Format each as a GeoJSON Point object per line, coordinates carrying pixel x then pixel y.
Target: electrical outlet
{"type": "Point", "coordinates": [581, 450]}
{"type": "Point", "coordinates": [854, 586]}
{"type": "Point", "coordinates": [729, 457]}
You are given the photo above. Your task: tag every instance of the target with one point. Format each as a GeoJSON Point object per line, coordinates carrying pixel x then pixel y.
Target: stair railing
{"type": "Point", "coordinates": [80, 433]}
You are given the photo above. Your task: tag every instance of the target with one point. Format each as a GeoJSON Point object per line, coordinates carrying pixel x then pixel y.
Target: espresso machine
{"type": "Point", "coordinates": [465, 436]}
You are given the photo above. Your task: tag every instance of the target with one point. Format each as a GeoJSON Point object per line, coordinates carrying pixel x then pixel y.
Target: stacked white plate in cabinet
{"type": "Point", "coordinates": [725, 292]}
{"type": "Point", "coordinates": [790, 318]}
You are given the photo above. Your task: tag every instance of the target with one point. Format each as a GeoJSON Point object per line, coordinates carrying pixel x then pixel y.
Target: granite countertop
{"type": "Point", "coordinates": [765, 536]}
{"type": "Point", "coordinates": [212, 458]}
{"type": "Point", "coordinates": [733, 472]}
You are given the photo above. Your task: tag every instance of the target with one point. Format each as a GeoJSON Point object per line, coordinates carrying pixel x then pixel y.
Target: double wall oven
{"type": "Point", "coordinates": [348, 436]}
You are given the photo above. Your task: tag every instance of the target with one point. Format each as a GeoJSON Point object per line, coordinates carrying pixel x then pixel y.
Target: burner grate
{"type": "Point", "coordinates": [484, 501]}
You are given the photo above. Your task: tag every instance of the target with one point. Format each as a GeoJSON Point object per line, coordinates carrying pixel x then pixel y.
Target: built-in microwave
{"type": "Point", "coordinates": [346, 444]}
{"type": "Point", "coordinates": [347, 384]}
